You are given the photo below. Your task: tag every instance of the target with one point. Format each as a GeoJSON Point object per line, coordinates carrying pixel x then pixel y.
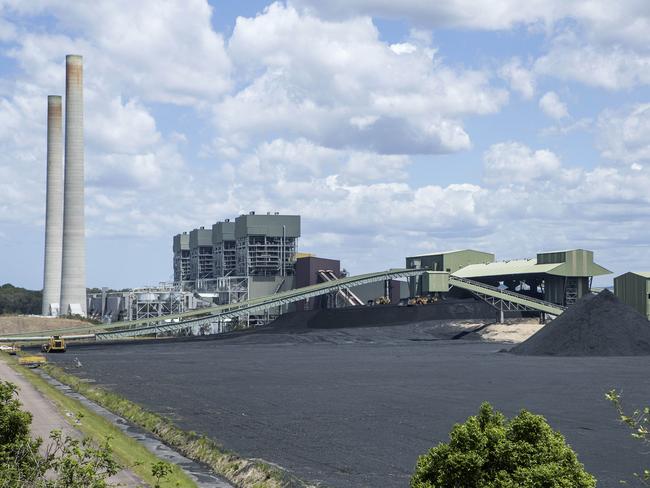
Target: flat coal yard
{"type": "Point", "coordinates": [355, 407]}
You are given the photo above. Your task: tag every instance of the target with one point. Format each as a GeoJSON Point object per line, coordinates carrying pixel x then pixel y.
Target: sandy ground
{"type": "Point", "coordinates": [46, 417]}
{"type": "Point", "coordinates": [513, 331]}
{"type": "Point", "coordinates": [17, 324]}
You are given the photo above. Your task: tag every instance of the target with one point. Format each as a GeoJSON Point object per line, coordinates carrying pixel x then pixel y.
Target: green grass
{"type": "Point", "coordinates": [129, 452]}
{"type": "Point", "coordinates": [244, 473]}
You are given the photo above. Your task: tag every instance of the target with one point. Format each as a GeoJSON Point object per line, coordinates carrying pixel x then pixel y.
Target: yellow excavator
{"type": "Point", "coordinates": [55, 344]}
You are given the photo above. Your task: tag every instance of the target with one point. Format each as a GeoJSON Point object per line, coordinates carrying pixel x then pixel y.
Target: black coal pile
{"type": "Point", "coordinates": [596, 325]}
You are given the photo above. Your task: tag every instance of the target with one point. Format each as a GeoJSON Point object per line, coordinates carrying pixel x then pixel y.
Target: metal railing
{"type": "Point", "coordinates": [180, 321]}
{"type": "Point", "coordinates": [530, 302]}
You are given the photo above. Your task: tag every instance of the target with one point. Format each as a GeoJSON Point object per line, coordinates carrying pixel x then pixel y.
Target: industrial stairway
{"type": "Point", "coordinates": [345, 293]}
{"type": "Point", "coordinates": [504, 299]}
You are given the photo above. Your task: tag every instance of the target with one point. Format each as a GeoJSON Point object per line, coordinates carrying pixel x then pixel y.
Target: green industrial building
{"type": "Point", "coordinates": [559, 277]}
{"type": "Point", "coordinates": [633, 288]}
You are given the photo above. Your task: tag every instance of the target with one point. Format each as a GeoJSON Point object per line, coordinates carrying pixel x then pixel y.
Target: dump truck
{"type": "Point", "coordinates": [55, 344]}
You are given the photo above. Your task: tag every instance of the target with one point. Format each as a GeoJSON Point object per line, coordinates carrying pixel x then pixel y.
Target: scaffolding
{"type": "Point", "coordinates": [181, 257]}
{"type": "Point", "coordinates": [201, 257]}
{"type": "Point", "coordinates": [150, 304]}
{"type": "Point", "coordinates": [182, 266]}
{"type": "Point", "coordinates": [265, 255]}
{"type": "Point", "coordinates": [201, 263]}
{"type": "Point", "coordinates": [225, 258]}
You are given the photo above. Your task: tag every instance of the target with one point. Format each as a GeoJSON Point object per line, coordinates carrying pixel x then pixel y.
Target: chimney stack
{"type": "Point", "coordinates": [54, 208]}
{"type": "Point", "coordinates": [73, 272]}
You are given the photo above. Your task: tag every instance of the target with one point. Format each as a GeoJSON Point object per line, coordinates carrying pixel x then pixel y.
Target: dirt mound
{"type": "Point", "coordinates": [19, 324]}
{"type": "Point", "coordinates": [597, 325]}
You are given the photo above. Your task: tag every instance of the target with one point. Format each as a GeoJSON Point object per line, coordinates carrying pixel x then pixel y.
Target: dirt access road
{"type": "Point", "coordinates": [46, 417]}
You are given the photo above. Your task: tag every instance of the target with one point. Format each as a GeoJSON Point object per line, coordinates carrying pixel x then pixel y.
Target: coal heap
{"type": "Point", "coordinates": [596, 325]}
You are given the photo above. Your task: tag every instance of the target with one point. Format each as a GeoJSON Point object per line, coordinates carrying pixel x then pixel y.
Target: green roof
{"type": "Point", "coordinates": [645, 274]}
{"type": "Point", "coordinates": [441, 253]}
{"type": "Point", "coordinates": [513, 267]}
{"type": "Point", "coordinates": [524, 267]}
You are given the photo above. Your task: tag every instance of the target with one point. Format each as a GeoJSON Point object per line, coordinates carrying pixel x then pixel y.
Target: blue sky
{"type": "Point", "coordinates": [393, 128]}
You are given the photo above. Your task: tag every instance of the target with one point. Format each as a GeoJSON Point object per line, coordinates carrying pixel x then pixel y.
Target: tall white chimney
{"type": "Point", "coordinates": [53, 208]}
{"type": "Point", "coordinates": [73, 273]}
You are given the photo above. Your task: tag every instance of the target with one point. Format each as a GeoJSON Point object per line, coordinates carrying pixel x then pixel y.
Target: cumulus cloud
{"type": "Point", "coordinates": [612, 67]}
{"type": "Point", "coordinates": [595, 42]}
{"type": "Point", "coordinates": [625, 134]}
{"type": "Point", "coordinates": [513, 162]}
{"type": "Point", "coordinates": [552, 106]}
{"type": "Point", "coordinates": [603, 19]}
{"type": "Point", "coordinates": [310, 115]}
{"type": "Point", "coordinates": [338, 84]}
{"type": "Point", "coordinates": [165, 52]}
{"type": "Point", "coordinates": [519, 78]}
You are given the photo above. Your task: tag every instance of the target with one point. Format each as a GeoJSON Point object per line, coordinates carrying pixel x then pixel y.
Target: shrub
{"type": "Point", "coordinates": [67, 462]}
{"type": "Point", "coordinates": [638, 422]}
{"type": "Point", "coordinates": [489, 451]}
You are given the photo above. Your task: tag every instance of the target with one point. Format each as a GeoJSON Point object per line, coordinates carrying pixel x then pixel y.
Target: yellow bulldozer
{"type": "Point", "coordinates": [55, 344]}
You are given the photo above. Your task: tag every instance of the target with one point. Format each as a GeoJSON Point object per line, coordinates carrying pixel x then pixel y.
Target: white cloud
{"type": "Point", "coordinates": [520, 78]}
{"type": "Point", "coordinates": [625, 135]}
{"type": "Point", "coordinates": [513, 162]}
{"type": "Point", "coordinates": [403, 48]}
{"type": "Point", "coordinates": [165, 52]}
{"type": "Point", "coordinates": [321, 121]}
{"type": "Point", "coordinates": [338, 84]}
{"type": "Point", "coordinates": [552, 106]}
{"type": "Point", "coordinates": [613, 67]}
{"type": "Point", "coordinates": [596, 42]}
{"type": "Point", "coordinates": [627, 20]}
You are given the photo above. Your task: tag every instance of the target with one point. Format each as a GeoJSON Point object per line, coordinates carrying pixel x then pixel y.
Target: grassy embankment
{"type": "Point", "coordinates": [129, 452]}
{"type": "Point", "coordinates": [244, 473]}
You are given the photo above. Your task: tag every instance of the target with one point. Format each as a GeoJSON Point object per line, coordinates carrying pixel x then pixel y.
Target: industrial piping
{"type": "Point", "coordinates": [73, 272]}
{"type": "Point", "coordinates": [54, 208]}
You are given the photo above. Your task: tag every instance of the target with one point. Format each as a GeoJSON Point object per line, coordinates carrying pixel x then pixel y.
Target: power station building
{"type": "Point", "coordinates": [182, 258]}
{"type": "Point", "coordinates": [559, 277]}
{"type": "Point", "coordinates": [224, 248]}
{"type": "Point", "coordinates": [201, 259]}
{"type": "Point", "coordinates": [633, 288]}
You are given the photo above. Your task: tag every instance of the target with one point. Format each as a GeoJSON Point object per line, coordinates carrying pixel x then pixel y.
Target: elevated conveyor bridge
{"type": "Point", "coordinates": [180, 321]}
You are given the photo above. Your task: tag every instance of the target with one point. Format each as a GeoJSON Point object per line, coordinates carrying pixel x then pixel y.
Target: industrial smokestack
{"type": "Point", "coordinates": [54, 208]}
{"type": "Point", "coordinates": [73, 273]}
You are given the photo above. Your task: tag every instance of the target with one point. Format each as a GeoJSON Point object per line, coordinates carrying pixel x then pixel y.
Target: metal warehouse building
{"type": "Point", "coordinates": [633, 288]}
{"type": "Point", "coordinates": [560, 277]}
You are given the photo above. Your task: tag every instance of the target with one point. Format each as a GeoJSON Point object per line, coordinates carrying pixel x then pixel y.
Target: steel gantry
{"type": "Point", "coordinates": [500, 299]}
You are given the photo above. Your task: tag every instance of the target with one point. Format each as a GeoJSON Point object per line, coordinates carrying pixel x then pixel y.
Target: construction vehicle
{"type": "Point", "coordinates": [55, 344]}
{"type": "Point", "coordinates": [32, 361]}
{"type": "Point", "coordinates": [10, 349]}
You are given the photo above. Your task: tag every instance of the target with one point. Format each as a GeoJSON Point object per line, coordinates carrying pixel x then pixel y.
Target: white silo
{"type": "Point", "coordinates": [54, 207]}
{"type": "Point", "coordinates": [73, 272]}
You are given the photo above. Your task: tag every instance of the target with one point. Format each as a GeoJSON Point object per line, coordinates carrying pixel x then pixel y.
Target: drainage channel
{"type": "Point", "coordinates": [200, 474]}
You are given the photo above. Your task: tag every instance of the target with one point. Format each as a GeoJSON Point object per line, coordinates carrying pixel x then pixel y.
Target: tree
{"type": "Point", "coordinates": [489, 451]}
{"type": "Point", "coordinates": [160, 471]}
{"type": "Point", "coordinates": [68, 462]}
{"type": "Point", "coordinates": [639, 424]}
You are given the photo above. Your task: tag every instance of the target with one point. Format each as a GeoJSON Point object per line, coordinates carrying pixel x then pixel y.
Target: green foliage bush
{"type": "Point", "coordinates": [639, 423]}
{"type": "Point", "coordinates": [65, 463]}
{"type": "Point", "coordinates": [489, 451]}
{"type": "Point", "coordinates": [15, 300]}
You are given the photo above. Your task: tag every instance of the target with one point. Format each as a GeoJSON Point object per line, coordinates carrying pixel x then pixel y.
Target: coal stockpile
{"type": "Point", "coordinates": [351, 410]}
{"type": "Point", "coordinates": [388, 315]}
{"type": "Point", "coordinates": [597, 325]}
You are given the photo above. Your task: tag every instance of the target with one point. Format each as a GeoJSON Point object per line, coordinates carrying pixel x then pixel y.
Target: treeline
{"type": "Point", "coordinates": [14, 300]}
